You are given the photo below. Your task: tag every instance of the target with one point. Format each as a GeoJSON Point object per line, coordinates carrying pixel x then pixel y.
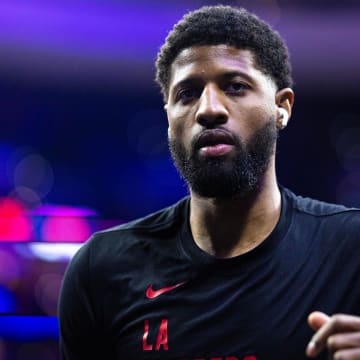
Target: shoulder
{"type": "Point", "coordinates": [319, 208]}
{"type": "Point", "coordinates": [132, 239]}
{"type": "Point", "coordinates": [154, 226]}
{"type": "Point", "coordinates": [335, 220]}
{"type": "Point", "coordinates": [158, 221]}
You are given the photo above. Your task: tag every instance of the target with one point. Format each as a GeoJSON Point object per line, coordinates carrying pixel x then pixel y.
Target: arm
{"type": "Point", "coordinates": [79, 330]}
{"type": "Point", "coordinates": [339, 334]}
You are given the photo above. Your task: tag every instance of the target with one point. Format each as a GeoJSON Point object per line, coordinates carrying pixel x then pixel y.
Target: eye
{"type": "Point", "coordinates": [187, 94]}
{"type": "Point", "coordinates": [237, 87]}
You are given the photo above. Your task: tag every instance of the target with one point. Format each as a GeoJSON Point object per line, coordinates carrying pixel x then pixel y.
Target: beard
{"type": "Point", "coordinates": [216, 177]}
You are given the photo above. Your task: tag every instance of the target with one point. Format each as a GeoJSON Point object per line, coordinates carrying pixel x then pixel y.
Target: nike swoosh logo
{"type": "Point", "coordinates": [152, 294]}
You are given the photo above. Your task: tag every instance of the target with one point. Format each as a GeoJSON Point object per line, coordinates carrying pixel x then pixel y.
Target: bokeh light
{"type": "Point", "coordinates": [26, 196]}
{"type": "Point", "coordinates": [34, 172]}
{"type": "Point", "coordinates": [32, 274]}
{"type": "Point", "coordinates": [66, 228]}
{"type": "Point", "coordinates": [7, 301]}
{"type": "Point", "coordinates": [28, 328]}
{"type": "Point", "coordinates": [51, 252]}
{"type": "Point", "coordinates": [10, 269]}
{"type": "Point", "coordinates": [14, 222]}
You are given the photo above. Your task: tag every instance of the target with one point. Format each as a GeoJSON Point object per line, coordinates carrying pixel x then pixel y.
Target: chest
{"type": "Point", "coordinates": [246, 316]}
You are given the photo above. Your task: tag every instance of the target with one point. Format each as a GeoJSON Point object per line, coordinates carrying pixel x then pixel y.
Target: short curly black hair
{"type": "Point", "coordinates": [214, 25]}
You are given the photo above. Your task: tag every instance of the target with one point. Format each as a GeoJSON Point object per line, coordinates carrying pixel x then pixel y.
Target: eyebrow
{"type": "Point", "coordinates": [186, 82]}
{"type": "Point", "coordinates": [195, 78]}
{"type": "Point", "coordinates": [232, 74]}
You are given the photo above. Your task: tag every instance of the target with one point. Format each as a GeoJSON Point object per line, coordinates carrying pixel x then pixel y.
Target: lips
{"type": "Point", "coordinates": [214, 137]}
{"type": "Point", "coordinates": [214, 143]}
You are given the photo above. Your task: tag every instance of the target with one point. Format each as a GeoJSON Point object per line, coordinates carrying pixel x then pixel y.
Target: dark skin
{"type": "Point", "coordinates": [340, 334]}
{"type": "Point", "coordinates": [221, 86]}
{"type": "Point", "coordinates": [203, 95]}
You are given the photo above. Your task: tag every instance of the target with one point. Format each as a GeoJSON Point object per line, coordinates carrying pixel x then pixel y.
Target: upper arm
{"type": "Point", "coordinates": [80, 332]}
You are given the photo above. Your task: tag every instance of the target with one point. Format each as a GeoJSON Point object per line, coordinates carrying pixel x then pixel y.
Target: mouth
{"type": "Point", "coordinates": [214, 142]}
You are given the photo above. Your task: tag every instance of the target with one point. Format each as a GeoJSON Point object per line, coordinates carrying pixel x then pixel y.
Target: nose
{"type": "Point", "coordinates": [211, 111]}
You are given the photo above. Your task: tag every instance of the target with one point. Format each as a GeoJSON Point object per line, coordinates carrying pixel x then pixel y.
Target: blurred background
{"type": "Point", "coordinates": [83, 137]}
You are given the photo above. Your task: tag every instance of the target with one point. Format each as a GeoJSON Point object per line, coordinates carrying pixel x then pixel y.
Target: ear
{"type": "Point", "coordinates": [284, 99]}
{"type": "Point", "coordinates": [166, 108]}
{"type": "Point", "coordinates": [169, 132]}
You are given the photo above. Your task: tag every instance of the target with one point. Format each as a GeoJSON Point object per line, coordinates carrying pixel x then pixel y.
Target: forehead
{"type": "Point", "coordinates": [211, 60]}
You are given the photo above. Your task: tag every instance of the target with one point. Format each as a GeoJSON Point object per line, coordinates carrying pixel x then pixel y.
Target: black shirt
{"type": "Point", "coordinates": [145, 290]}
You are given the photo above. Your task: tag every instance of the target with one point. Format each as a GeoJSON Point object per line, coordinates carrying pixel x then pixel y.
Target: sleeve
{"type": "Point", "coordinates": [80, 327]}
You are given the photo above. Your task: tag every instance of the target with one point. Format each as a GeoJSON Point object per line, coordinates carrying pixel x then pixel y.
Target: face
{"type": "Point", "coordinates": [222, 114]}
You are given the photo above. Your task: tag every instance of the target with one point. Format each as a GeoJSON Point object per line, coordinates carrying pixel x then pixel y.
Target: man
{"type": "Point", "coordinates": [238, 268]}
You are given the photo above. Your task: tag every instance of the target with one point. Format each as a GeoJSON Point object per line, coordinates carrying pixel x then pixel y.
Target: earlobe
{"type": "Point", "coordinates": [283, 118]}
{"type": "Point", "coordinates": [284, 101]}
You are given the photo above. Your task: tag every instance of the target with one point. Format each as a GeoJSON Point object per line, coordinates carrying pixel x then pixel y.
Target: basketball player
{"type": "Point", "coordinates": [240, 268]}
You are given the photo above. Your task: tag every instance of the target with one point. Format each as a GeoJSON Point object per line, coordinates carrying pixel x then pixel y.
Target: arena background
{"type": "Point", "coordinates": [83, 136]}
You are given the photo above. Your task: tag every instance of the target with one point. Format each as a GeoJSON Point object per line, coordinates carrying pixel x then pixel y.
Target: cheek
{"type": "Point", "coordinates": [179, 124]}
{"type": "Point", "coordinates": [248, 121]}
{"type": "Point", "coordinates": [181, 131]}
{"type": "Point", "coordinates": [259, 116]}
{"type": "Point", "coordinates": [244, 121]}
{"type": "Point", "coordinates": [174, 129]}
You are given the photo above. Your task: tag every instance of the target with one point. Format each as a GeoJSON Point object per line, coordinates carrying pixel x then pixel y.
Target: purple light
{"type": "Point", "coordinates": [66, 229]}
{"type": "Point", "coordinates": [10, 269]}
{"type": "Point", "coordinates": [133, 31]}
{"type": "Point", "coordinates": [86, 29]}
{"type": "Point", "coordinates": [118, 42]}
{"type": "Point", "coordinates": [62, 210]}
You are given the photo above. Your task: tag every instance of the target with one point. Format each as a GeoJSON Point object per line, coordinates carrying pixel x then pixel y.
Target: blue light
{"type": "Point", "coordinates": [7, 301]}
{"type": "Point", "coordinates": [29, 328]}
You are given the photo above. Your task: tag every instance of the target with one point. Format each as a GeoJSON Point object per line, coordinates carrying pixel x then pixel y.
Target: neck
{"type": "Point", "coordinates": [229, 227]}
